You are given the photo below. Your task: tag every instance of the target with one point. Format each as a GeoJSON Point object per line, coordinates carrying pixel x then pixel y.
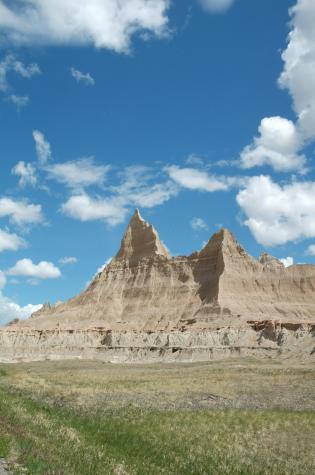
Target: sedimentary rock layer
{"type": "Point", "coordinates": [145, 295]}
{"type": "Point", "coordinates": [144, 289]}
{"type": "Point", "coordinates": [260, 339]}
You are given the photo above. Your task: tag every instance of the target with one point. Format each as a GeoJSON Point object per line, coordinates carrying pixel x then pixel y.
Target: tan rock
{"type": "Point", "coordinates": [140, 240]}
{"type": "Point", "coordinates": [144, 291]}
{"type": "Point", "coordinates": [270, 261]}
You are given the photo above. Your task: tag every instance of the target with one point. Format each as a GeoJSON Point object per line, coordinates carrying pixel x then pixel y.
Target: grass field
{"type": "Point", "coordinates": [232, 417]}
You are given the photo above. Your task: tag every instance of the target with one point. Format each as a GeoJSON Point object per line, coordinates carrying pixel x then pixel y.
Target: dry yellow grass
{"type": "Point", "coordinates": [246, 384]}
{"type": "Point", "coordinates": [89, 418]}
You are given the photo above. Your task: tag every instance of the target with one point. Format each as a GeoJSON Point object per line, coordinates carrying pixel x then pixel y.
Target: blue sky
{"type": "Point", "coordinates": [199, 112]}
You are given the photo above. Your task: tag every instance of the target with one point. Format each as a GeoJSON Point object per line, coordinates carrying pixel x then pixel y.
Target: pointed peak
{"type": "Point", "coordinates": [140, 240]}
{"type": "Point", "coordinates": [267, 260]}
{"type": "Point", "coordinates": [136, 216]}
{"type": "Point", "coordinates": [224, 240]}
{"type": "Point", "coordinates": [225, 233]}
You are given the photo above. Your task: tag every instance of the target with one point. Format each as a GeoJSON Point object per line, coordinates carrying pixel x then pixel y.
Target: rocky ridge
{"type": "Point", "coordinates": [146, 305]}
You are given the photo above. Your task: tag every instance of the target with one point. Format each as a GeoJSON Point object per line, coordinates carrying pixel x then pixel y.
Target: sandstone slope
{"type": "Point", "coordinates": [214, 298]}
{"type": "Point", "coordinates": [144, 288]}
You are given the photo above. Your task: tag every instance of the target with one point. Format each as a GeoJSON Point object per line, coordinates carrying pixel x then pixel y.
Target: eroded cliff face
{"type": "Point", "coordinates": [204, 304]}
{"type": "Point", "coordinates": [259, 339]}
{"type": "Point", "coordinates": [266, 289]}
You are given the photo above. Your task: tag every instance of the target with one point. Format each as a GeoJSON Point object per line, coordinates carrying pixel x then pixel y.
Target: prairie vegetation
{"type": "Point", "coordinates": [83, 417]}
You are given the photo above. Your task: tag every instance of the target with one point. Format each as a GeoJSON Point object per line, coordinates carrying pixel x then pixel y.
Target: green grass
{"type": "Point", "coordinates": [46, 434]}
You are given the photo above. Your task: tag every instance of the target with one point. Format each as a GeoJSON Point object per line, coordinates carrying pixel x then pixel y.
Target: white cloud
{"type": "Point", "coordinates": [287, 261]}
{"type": "Point", "coordinates": [78, 173]}
{"type": "Point", "coordinates": [43, 270]}
{"type": "Point", "coordinates": [20, 212]}
{"type": "Point", "coordinates": [85, 78]}
{"type": "Point", "coordinates": [277, 145]}
{"type": "Point", "coordinates": [138, 189]}
{"type": "Point", "coordinates": [299, 65]}
{"type": "Point", "coordinates": [10, 310]}
{"type": "Point", "coordinates": [277, 214]}
{"type": "Point", "coordinates": [198, 224]}
{"type": "Point", "coordinates": [43, 149]}
{"type": "Point", "coordinates": [310, 251]}
{"type": "Point", "coordinates": [19, 101]}
{"type": "Point", "coordinates": [194, 179]}
{"type": "Point", "coordinates": [216, 6]}
{"type": "Point", "coordinates": [10, 242]}
{"type": "Point", "coordinates": [102, 23]}
{"type": "Point", "coordinates": [68, 260]}
{"type": "Point", "coordinates": [11, 64]}
{"type": "Point", "coordinates": [26, 172]}
{"type": "Point", "coordinates": [151, 196]}
{"type": "Point", "coordinates": [135, 189]}
{"type": "Point", "coordinates": [280, 140]}
{"type": "Point", "coordinates": [26, 71]}
{"type": "Point", "coordinates": [86, 208]}
{"type": "Point", "coordinates": [75, 174]}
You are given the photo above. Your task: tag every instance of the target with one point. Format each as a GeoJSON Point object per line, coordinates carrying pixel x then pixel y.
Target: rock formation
{"type": "Point", "coordinates": [147, 305]}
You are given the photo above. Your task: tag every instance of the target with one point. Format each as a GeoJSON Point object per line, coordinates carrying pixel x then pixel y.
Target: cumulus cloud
{"type": "Point", "coordinates": [68, 260]}
{"type": "Point", "coordinates": [86, 208]}
{"type": "Point", "coordinates": [78, 173]}
{"type": "Point", "coordinates": [136, 188]}
{"type": "Point", "coordinates": [26, 172]}
{"type": "Point", "coordinates": [201, 180]}
{"type": "Point", "coordinates": [277, 214]}
{"type": "Point", "coordinates": [277, 145]}
{"type": "Point", "coordinates": [287, 261]}
{"type": "Point", "coordinates": [11, 64]}
{"type": "Point", "coordinates": [198, 224]}
{"type": "Point", "coordinates": [299, 65]}
{"type": "Point", "coordinates": [20, 212]}
{"type": "Point", "coordinates": [85, 78]}
{"type": "Point", "coordinates": [10, 310]}
{"type": "Point", "coordinates": [43, 148]}
{"type": "Point", "coordinates": [10, 242]}
{"type": "Point", "coordinates": [103, 23]}
{"type": "Point", "coordinates": [280, 140]}
{"type": "Point", "coordinates": [216, 6]}
{"type": "Point", "coordinates": [43, 270]}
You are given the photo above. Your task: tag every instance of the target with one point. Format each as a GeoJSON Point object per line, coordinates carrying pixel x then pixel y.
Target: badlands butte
{"type": "Point", "coordinates": [147, 306]}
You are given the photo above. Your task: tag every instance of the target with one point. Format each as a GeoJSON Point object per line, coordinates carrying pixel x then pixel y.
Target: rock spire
{"type": "Point", "coordinates": [145, 289]}
{"type": "Point", "coordinates": [140, 240]}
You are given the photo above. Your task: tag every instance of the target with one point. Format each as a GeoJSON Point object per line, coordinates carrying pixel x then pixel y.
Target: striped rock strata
{"type": "Point", "coordinates": [146, 305]}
